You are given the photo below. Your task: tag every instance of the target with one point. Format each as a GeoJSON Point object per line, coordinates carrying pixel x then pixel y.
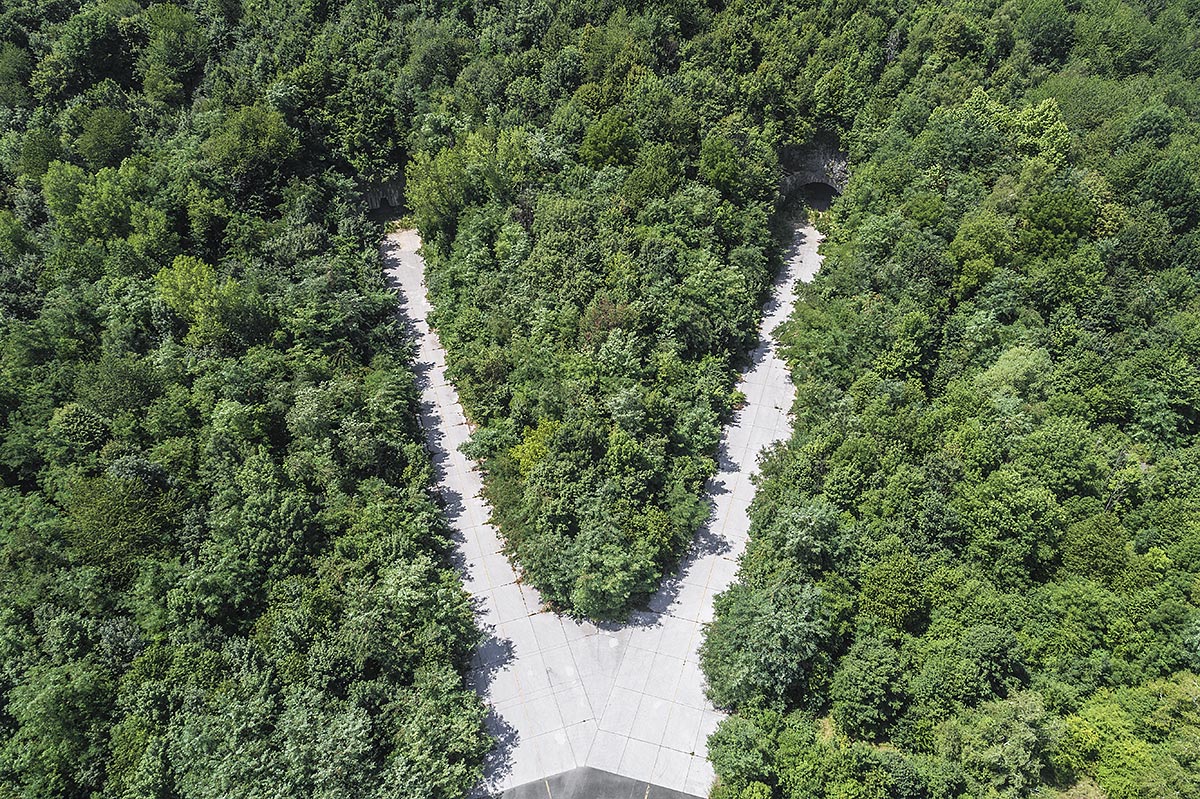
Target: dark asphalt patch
{"type": "Point", "coordinates": [590, 783]}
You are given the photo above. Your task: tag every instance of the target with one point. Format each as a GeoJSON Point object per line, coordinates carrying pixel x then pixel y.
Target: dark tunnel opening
{"type": "Point", "coordinates": [818, 196]}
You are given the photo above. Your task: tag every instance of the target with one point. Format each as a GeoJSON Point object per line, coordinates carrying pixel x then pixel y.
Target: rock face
{"type": "Point", "coordinates": [820, 163]}
{"type": "Point", "coordinates": [563, 693]}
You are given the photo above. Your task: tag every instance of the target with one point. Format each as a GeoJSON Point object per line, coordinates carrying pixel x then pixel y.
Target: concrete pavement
{"type": "Point", "coordinates": [564, 694]}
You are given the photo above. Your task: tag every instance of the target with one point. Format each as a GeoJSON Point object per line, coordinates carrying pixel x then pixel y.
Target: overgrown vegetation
{"type": "Point", "coordinates": [597, 246]}
{"type": "Point", "coordinates": [973, 568]}
{"type": "Point", "coordinates": [972, 571]}
{"type": "Point", "coordinates": [223, 573]}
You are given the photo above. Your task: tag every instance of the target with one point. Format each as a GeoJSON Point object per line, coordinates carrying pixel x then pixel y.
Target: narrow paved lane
{"type": "Point", "coordinates": [627, 699]}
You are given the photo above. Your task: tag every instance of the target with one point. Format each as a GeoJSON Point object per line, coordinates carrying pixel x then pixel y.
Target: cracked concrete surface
{"type": "Point", "coordinates": [562, 693]}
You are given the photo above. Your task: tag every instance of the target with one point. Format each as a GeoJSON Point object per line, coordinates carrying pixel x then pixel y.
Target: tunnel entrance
{"type": "Point", "coordinates": [385, 200]}
{"type": "Point", "coordinates": [817, 196]}
{"type": "Point", "coordinates": [814, 175]}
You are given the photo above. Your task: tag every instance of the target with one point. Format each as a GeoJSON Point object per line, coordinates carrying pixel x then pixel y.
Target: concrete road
{"type": "Point", "coordinates": [564, 694]}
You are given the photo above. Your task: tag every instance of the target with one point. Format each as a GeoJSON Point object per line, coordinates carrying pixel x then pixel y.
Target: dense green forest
{"type": "Point", "coordinates": [973, 570]}
{"type": "Point", "coordinates": [223, 572]}
{"type": "Point", "coordinates": [975, 567]}
{"type": "Point", "coordinates": [597, 248]}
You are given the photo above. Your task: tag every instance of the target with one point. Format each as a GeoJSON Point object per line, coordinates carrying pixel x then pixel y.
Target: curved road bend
{"type": "Point", "coordinates": [563, 694]}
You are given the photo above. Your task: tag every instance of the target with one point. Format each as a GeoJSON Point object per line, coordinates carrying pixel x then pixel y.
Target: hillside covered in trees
{"type": "Point", "coordinates": [223, 573]}
{"type": "Point", "coordinates": [975, 568]}
{"type": "Point", "coordinates": [598, 246]}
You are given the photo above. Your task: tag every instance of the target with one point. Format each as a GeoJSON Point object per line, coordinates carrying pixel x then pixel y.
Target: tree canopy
{"type": "Point", "coordinates": [991, 488]}
{"type": "Point", "coordinates": [224, 572]}
{"type": "Point", "coordinates": [972, 570]}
